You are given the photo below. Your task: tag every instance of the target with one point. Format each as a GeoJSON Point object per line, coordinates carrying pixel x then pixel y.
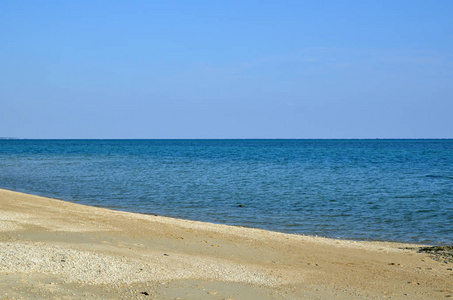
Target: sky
{"type": "Point", "coordinates": [226, 69]}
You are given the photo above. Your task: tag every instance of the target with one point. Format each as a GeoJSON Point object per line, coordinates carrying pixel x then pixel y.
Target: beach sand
{"type": "Point", "coordinates": [52, 249]}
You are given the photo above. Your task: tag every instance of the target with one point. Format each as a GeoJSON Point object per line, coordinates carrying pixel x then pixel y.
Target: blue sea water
{"type": "Point", "coordinates": [397, 190]}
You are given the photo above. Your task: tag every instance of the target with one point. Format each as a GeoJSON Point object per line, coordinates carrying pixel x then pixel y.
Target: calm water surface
{"type": "Point", "coordinates": [399, 190]}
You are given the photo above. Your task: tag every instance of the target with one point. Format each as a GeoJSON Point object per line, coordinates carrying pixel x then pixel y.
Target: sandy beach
{"type": "Point", "coordinates": [52, 249]}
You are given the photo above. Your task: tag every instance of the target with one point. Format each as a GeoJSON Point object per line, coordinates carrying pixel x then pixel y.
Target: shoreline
{"type": "Point", "coordinates": [206, 223]}
{"type": "Point", "coordinates": [120, 209]}
{"type": "Point", "coordinates": [53, 248]}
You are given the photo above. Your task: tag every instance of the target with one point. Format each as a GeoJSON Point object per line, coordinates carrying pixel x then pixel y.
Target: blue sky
{"type": "Point", "coordinates": [226, 69]}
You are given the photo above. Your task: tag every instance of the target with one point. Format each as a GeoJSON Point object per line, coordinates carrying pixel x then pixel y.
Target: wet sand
{"type": "Point", "coordinates": [52, 249]}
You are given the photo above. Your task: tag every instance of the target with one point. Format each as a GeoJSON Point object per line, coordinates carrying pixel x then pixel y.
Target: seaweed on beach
{"type": "Point", "coordinates": [439, 253]}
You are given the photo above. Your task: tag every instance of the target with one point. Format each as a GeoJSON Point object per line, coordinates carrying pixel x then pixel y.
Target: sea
{"type": "Point", "coordinates": [391, 190]}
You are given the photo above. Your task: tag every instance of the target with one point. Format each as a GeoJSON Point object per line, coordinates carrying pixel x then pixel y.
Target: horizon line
{"type": "Point", "coordinates": [188, 139]}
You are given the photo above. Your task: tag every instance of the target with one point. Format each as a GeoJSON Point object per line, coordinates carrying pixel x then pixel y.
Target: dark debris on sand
{"type": "Point", "coordinates": [439, 253]}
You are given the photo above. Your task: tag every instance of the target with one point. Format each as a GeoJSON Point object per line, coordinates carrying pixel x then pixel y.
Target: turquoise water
{"type": "Point", "coordinates": [398, 190]}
